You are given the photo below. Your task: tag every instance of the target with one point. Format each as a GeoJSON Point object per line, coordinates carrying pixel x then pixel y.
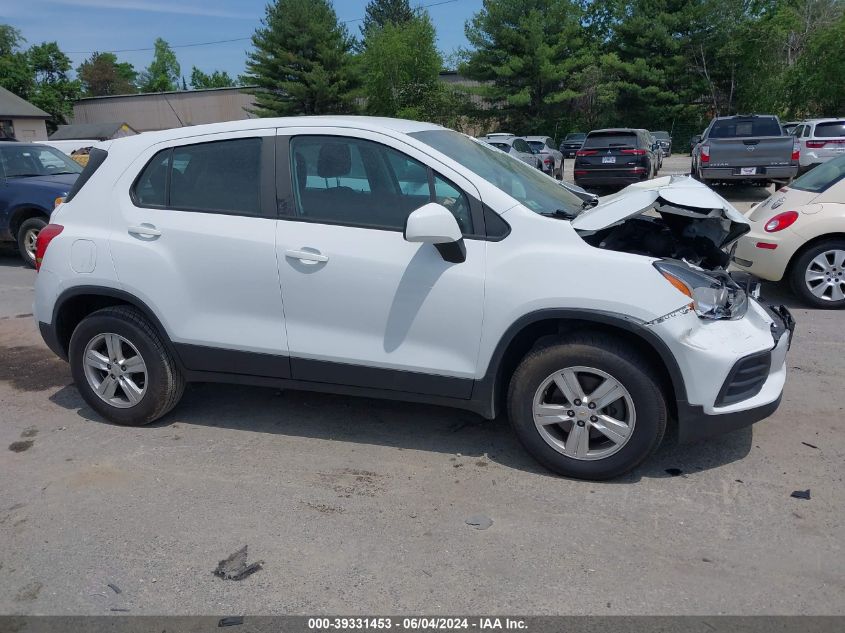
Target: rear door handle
{"type": "Point", "coordinates": [144, 230]}
{"type": "Point", "coordinates": [307, 256]}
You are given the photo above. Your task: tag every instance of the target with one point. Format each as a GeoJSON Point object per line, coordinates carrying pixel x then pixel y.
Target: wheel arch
{"type": "Point", "coordinates": [824, 237]}
{"type": "Point", "coordinates": [76, 303]}
{"type": "Point", "coordinates": [21, 214]}
{"type": "Point", "coordinates": [528, 330]}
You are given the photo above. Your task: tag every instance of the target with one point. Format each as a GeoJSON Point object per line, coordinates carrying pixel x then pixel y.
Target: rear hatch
{"type": "Point", "coordinates": [828, 139]}
{"type": "Point", "coordinates": [609, 151]}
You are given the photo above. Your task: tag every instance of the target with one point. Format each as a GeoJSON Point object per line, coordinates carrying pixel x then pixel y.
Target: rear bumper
{"type": "Point", "coordinates": [48, 333]}
{"type": "Point", "coordinates": [763, 173]}
{"type": "Point", "coordinates": [600, 177]}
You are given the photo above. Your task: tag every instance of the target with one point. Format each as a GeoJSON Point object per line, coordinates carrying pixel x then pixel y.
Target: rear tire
{"type": "Point", "coordinates": [118, 346]}
{"type": "Point", "coordinates": [27, 237]}
{"type": "Point", "coordinates": [635, 421]}
{"type": "Point", "coordinates": [817, 276]}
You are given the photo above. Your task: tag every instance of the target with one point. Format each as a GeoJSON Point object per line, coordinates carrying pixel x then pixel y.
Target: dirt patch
{"type": "Point", "coordinates": [349, 482]}
{"type": "Point", "coordinates": [30, 432]}
{"type": "Point", "coordinates": [33, 368]}
{"type": "Point", "coordinates": [324, 508]}
{"type": "Point", "coordinates": [29, 593]}
{"type": "Point", "coordinates": [20, 447]}
{"type": "Point", "coordinates": [98, 475]}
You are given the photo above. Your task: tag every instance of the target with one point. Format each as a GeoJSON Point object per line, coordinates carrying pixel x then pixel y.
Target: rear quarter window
{"type": "Point", "coordinates": [830, 129]}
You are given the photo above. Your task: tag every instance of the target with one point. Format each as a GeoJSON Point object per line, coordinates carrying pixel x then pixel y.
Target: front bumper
{"type": "Point", "coordinates": [759, 399]}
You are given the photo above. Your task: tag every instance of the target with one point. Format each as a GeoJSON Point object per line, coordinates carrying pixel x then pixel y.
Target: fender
{"type": "Point", "coordinates": [486, 391]}
{"type": "Point", "coordinates": [15, 212]}
{"type": "Point", "coordinates": [111, 293]}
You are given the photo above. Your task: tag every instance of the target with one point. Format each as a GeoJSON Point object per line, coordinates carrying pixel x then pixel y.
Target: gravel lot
{"type": "Point", "coordinates": [359, 506]}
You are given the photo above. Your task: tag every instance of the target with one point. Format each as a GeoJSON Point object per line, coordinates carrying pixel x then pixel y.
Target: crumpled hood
{"type": "Point", "coordinates": [681, 195]}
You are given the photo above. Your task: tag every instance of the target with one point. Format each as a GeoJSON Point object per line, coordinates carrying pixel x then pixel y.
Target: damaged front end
{"type": "Point", "coordinates": [688, 227]}
{"type": "Point", "coordinates": [673, 217]}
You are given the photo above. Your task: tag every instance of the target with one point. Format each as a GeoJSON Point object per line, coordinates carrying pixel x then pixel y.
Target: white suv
{"type": "Point", "coordinates": [820, 140]}
{"type": "Point", "coordinates": [390, 258]}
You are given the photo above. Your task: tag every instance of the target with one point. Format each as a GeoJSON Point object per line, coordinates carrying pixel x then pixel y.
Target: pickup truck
{"type": "Point", "coordinates": [751, 148]}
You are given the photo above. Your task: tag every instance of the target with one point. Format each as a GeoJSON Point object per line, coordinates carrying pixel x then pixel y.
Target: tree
{"type": "Point", "coordinates": [400, 65]}
{"type": "Point", "coordinates": [526, 50]}
{"type": "Point", "coordinates": [217, 79]}
{"type": "Point", "coordinates": [101, 74]}
{"type": "Point", "coordinates": [301, 63]}
{"type": "Point", "coordinates": [380, 13]}
{"type": "Point", "coordinates": [15, 72]}
{"type": "Point", "coordinates": [162, 75]}
{"type": "Point", "coordinates": [53, 91]}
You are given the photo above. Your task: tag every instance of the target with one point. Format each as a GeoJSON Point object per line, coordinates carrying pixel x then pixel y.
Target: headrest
{"type": "Point", "coordinates": [334, 161]}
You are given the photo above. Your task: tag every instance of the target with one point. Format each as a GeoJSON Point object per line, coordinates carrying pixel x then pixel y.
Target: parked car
{"type": "Point", "coordinates": [820, 140]}
{"type": "Point", "coordinates": [789, 127]}
{"type": "Point", "coordinates": [615, 157]}
{"type": "Point", "coordinates": [796, 236]}
{"type": "Point", "coordinates": [572, 143]}
{"type": "Point", "coordinates": [170, 260]}
{"type": "Point", "coordinates": [552, 159]}
{"type": "Point", "coordinates": [32, 177]}
{"type": "Point", "coordinates": [695, 140]}
{"type": "Point", "coordinates": [516, 147]}
{"type": "Point", "coordinates": [665, 141]}
{"type": "Point", "coordinates": [750, 148]}
{"type": "Point", "coordinates": [657, 148]}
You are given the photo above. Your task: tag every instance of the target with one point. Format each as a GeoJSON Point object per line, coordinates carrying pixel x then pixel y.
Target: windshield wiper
{"type": "Point", "coordinates": [561, 213]}
{"type": "Point", "coordinates": [589, 204]}
{"type": "Point", "coordinates": [24, 175]}
{"type": "Point", "coordinates": [61, 173]}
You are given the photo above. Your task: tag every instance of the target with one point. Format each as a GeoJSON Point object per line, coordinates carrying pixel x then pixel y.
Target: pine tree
{"type": "Point", "coordinates": [301, 63]}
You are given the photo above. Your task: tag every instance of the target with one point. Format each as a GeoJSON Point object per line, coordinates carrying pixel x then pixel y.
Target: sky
{"type": "Point", "coordinates": [82, 26]}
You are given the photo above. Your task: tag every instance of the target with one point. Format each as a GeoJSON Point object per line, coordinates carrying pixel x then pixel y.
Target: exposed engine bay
{"type": "Point", "coordinates": [673, 217]}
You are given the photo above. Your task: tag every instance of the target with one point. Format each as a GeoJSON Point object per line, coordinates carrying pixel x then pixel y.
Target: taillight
{"type": "Point", "coordinates": [796, 150]}
{"type": "Point", "coordinates": [781, 221]}
{"type": "Point", "coordinates": [705, 153]}
{"type": "Point", "coordinates": [45, 236]}
{"type": "Point", "coordinates": [634, 152]}
{"type": "Point", "coordinates": [547, 160]}
{"type": "Point", "coordinates": [813, 145]}
{"type": "Point", "coordinates": [586, 152]}
{"type": "Point", "coordinates": [581, 172]}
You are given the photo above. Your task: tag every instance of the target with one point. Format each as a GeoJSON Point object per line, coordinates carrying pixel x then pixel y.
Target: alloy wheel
{"type": "Point", "coordinates": [584, 413]}
{"type": "Point", "coordinates": [30, 241]}
{"type": "Point", "coordinates": [115, 370]}
{"type": "Point", "coordinates": [825, 275]}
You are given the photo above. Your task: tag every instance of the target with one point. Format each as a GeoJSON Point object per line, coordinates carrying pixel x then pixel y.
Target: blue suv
{"type": "Point", "coordinates": [32, 176]}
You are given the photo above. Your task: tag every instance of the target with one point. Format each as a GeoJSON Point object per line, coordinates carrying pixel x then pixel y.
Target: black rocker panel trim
{"type": "Point", "coordinates": [217, 359]}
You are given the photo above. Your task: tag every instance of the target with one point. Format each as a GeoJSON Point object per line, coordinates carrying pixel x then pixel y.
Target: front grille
{"type": "Point", "coordinates": [745, 379]}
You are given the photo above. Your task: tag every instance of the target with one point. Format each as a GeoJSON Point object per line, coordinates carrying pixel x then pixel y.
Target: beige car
{"type": "Point", "coordinates": [798, 234]}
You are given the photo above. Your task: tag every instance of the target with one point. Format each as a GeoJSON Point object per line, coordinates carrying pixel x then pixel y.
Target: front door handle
{"type": "Point", "coordinates": [144, 230]}
{"type": "Point", "coordinates": [307, 256]}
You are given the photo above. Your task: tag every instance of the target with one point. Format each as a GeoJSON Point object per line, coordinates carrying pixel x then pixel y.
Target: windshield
{"type": "Point", "coordinates": [526, 184]}
{"type": "Point", "coordinates": [822, 177]}
{"type": "Point", "coordinates": [738, 128]}
{"type": "Point", "coordinates": [20, 161]}
{"type": "Point", "coordinates": [577, 136]}
{"type": "Point", "coordinates": [537, 145]}
{"type": "Point", "coordinates": [663, 136]}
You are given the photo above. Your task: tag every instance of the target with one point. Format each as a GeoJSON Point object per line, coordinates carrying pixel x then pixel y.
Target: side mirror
{"type": "Point", "coordinates": [434, 224]}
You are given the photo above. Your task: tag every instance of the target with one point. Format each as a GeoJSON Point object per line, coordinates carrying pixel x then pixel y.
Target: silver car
{"type": "Point", "coordinates": [552, 159]}
{"type": "Point", "coordinates": [515, 146]}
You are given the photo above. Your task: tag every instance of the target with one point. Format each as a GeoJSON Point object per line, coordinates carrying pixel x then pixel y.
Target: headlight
{"type": "Point", "coordinates": [714, 295]}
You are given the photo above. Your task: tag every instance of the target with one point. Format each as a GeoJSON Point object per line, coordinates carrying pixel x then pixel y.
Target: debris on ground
{"type": "Point", "coordinates": [810, 445]}
{"type": "Point", "coordinates": [235, 620]}
{"type": "Point", "coordinates": [235, 566]}
{"type": "Point", "coordinates": [479, 522]}
{"type": "Point", "coordinates": [114, 588]}
{"type": "Point", "coordinates": [20, 447]}
{"type": "Point", "coordinates": [119, 609]}
{"type": "Point", "coordinates": [801, 494]}
{"type": "Point", "coordinates": [674, 472]}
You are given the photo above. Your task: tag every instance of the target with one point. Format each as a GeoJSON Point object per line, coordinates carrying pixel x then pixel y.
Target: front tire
{"type": "Point", "coordinates": [587, 406]}
{"type": "Point", "coordinates": [818, 275]}
{"type": "Point", "coordinates": [122, 368]}
{"type": "Point", "coordinates": [27, 238]}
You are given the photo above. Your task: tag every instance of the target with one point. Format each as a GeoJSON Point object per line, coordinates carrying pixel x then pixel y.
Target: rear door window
{"type": "Point", "coordinates": [830, 129]}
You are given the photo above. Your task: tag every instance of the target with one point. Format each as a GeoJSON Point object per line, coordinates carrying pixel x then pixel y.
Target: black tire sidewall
{"type": "Point", "coordinates": [25, 226]}
{"type": "Point", "coordinates": [157, 379]}
{"type": "Point", "coordinates": [799, 269]}
{"type": "Point", "coordinates": [648, 400]}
